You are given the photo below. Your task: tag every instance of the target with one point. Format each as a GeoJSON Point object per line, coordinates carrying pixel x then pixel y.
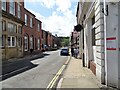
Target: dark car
{"type": "Point", "coordinates": [64, 51]}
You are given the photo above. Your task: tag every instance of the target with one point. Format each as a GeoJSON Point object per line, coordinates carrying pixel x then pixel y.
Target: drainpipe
{"type": "Point", "coordinates": [105, 44]}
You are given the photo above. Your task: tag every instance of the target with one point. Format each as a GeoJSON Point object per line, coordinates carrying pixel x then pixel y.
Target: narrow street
{"type": "Point", "coordinates": [39, 75]}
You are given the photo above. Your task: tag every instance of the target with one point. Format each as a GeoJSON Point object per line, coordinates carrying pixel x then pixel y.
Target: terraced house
{"type": "Point", "coordinates": [12, 24]}
{"type": "Point", "coordinates": [98, 23]}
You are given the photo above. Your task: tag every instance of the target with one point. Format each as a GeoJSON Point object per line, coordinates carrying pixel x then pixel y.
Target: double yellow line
{"type": "Point", "coordinates": [51, 84]}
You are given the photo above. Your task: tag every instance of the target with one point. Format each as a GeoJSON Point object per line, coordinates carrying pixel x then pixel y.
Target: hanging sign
{"type": "Point", "coordinates": [111, 43]}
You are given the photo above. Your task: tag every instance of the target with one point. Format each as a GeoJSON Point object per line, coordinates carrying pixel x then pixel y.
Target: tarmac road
{"type": "Point", "coordinates": [35, 73]}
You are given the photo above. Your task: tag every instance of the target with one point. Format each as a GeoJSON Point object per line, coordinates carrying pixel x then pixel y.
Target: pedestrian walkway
{"type": "Point", "coordinates": [77, 76]}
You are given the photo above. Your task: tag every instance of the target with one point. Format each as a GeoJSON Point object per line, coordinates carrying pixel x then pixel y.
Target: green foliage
{"type": "Point", "coordinates": [64, 41]}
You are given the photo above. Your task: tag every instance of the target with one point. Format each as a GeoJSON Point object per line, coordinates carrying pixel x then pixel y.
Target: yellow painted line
{"type": "Point", "coordinates": [50, 86]}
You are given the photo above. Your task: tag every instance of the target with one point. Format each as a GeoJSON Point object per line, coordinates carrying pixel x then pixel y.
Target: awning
{"type": "Point", "coordinates": [78, 28]}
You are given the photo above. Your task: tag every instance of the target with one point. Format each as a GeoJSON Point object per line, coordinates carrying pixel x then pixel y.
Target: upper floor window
{"type": "Point", "coordinates": [12, 7]}
{"type": "Point", "coordinates": [38, 27]}
{"type": "Point", "coordinates": [3, 25]}
{"type": "Point", "coordinates": [19, 11]}
{"type": "Point", "coordinates": [26, 19]}
{"type": "Point", "coordinates": [12, 27]}
{"type": "Point", "coordinates": [31, 22]}
{"type": "Point", "coordinates": [4, 5]}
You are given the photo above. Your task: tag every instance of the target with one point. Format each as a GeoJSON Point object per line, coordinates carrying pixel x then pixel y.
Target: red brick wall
{"type": "Point", "coordinates": [92, 67]}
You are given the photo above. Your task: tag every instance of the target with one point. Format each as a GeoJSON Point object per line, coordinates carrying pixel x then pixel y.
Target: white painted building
{"type": "Point", "coordinates": [99, 38]}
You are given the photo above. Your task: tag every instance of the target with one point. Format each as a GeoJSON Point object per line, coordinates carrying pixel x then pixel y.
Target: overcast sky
{"type": "Point", "coordinates": [57, 16]}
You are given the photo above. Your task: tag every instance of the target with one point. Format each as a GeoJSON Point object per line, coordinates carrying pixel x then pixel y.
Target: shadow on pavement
{"type": "Point", "coordinates": [19, 66]}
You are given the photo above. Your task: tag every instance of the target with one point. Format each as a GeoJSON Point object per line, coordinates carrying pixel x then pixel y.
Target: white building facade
{"type": "Point", "coordinates": [99, 39]}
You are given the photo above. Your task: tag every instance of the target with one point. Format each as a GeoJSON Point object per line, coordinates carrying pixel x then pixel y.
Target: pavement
{"type": "Point", "coordinates": [78, 77]}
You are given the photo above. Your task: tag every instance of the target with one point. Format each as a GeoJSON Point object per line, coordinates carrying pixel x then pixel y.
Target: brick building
{"type": "Point", "coordinates": [12, 23]}
{"type": "Point", "coordinates": [31, 33]}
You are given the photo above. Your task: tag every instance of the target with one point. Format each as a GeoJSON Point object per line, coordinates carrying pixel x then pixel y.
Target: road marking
{"type": "Point", "coordinates": [51, 84]}
{"type": "Point", "coordinates": [14, 71]}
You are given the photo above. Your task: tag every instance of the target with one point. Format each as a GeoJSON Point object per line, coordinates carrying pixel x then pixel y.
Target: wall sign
{"type": "Point", "coordinates": [111, 43]}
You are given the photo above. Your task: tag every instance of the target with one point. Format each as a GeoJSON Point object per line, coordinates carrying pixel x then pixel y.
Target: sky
{"type": "Point", "coordinates": [57, 16]}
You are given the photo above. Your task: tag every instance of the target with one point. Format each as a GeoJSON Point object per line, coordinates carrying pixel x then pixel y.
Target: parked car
{"type": "Point", "coordinates": [64, 51]}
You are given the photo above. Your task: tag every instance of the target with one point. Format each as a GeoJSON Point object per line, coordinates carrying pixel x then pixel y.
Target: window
{"type": "Point", "coordinates": [38, 44]}
{"type": "Point", "coordinates": [4, 5]}
{"type": "Point", "coordinates": [31, 42]}
{"type": "Point", "coordinates": [2, 41]}
{"type": "Point", "coordinates": [19, 42]}
{"type": "Point", "coordinates": [20, 30]}
{"type": "Point", "coordinates": [31, 22]}
{"type": "Point", "coordinates": [12, 27]}
{"type": "Point", "coordinates": [3, 25]}
{"type": "Point", "coordinates": [19, 10]}
{"type": "Point", "coordinates": [26, 43]}
{"type": "Point", "coordinates": [11, 41]}
{"type": "Point", "coordinates": [26, 19]}
{"type": "Point", "coordinates": [12, 7]}
{"type": "Point", "coordinates": [93, 37]}
{"type": "Point", "coordinates": [38, 27]}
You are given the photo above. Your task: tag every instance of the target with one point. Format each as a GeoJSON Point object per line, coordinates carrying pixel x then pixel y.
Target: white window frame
{"type": "Point", "coordinates": [12, 8]}
{"type": "Point", "coordinates": [19, 11]}
{"type": "Point", "coordinates": [11, 43]}
{"type": "Point", "coordinates": [31, 42]}
{"type": "Point", "coordinates": [12, 27]}
{"type": "Point", "coordinates": [26, 43]}
{"type": "Point", "coordinates": [38, 43]}
{"type": "Point", "coordinates": [31, 22]}
{"type": "Point", "coordinates": [38, 27]}
{"type": "Point", "coordinates": [26, 19]}
{"type": "Point", "coordinates": [3, 4]}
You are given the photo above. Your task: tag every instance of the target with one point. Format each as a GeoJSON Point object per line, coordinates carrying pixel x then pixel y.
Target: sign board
{"type": "Point", "coordinates": [111, 43]}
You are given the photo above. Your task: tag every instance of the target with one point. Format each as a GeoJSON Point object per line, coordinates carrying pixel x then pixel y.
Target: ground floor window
{"type": "Point", "coordinates": [38, 44]}
{"type": "Point", "coordinates": [2, 41]}
{"type": "Point", "coordinates": [31, 42]}
{"type": "Point", "coordinates": [19, 42]}
{"type": "Point", "coordinates": [25, 43]}
{"type": "Point", "coordinates": [11, 41]}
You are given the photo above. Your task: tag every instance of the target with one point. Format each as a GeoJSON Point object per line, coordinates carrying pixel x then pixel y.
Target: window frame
{"type": "Point", "coordinates": [3, 25]}
{"type": "Point", "coordinates": [3, 3]}
{"type": "Point", "coordinates": [11, 41]}
{"type": "Point", "coordinates": [19, 41]}
{"type": "Point", "coordinates": [19, 11]}
{"type": "Point", "coordinates": [2, 39]}
{"type": "Point", "coordinates": [26, 19]}
{"type": "Point", "coordinates": [12, 27]}
{"type": "Point", "coordinates": [31, 22]}
{"type": "Point", "coordinates": [12, 8]}
{"type": "Point", "coordinates": [25, 43]}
